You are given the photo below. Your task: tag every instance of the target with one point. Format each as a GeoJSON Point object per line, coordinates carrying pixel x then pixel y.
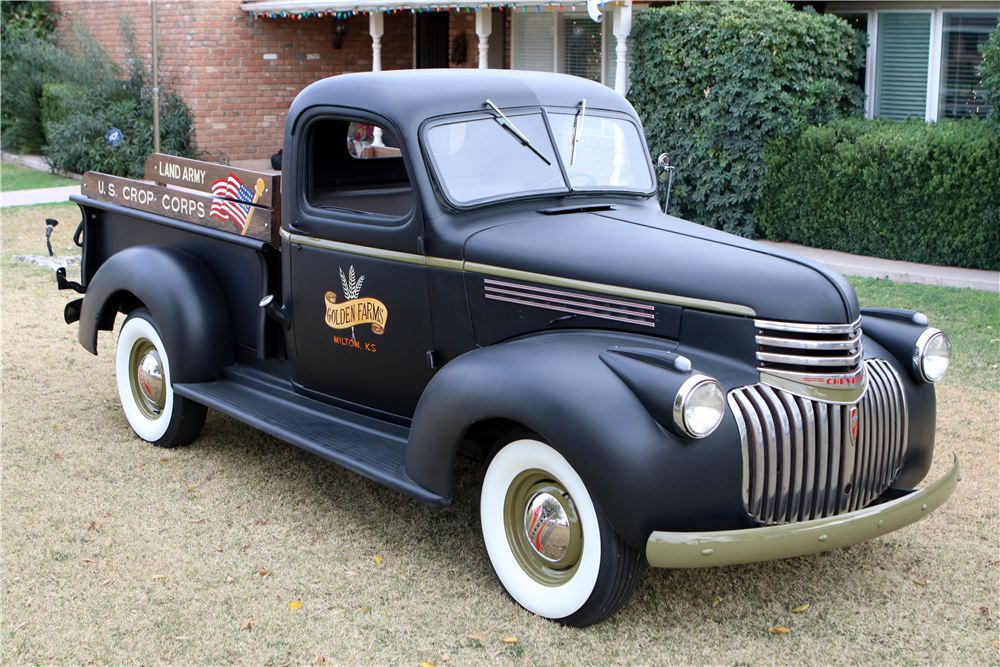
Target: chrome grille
{"type": "Point", "coordinates": [812, 348]}
{"type": "Point", "coordinates": [800, 460]}
{"type": "Point", "coordinates": [570, 302]}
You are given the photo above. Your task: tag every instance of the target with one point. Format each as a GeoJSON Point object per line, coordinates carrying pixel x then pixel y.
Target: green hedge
{"type": "Point", "coordinates": [713, 81]}
{"type": "Point", "coordinates": [914, 191]}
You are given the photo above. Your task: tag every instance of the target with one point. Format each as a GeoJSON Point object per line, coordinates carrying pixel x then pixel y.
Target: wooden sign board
{"type": "Point", "coordinates": [181, 205]}
{"type": "Point", "coordinates": [200, 176]}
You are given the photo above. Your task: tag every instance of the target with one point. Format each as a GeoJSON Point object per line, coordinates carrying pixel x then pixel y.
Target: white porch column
{"type": "Point", "coordinates": [375, 24]}
{"type": "Point", "coordinates": [622, 28]}
{"type": "Point", "coordinates": [484, 26]}
{"type": "Point", "coordinates": [376, 28]}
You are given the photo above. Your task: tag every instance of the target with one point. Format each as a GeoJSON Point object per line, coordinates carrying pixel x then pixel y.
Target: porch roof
{"type": "Point", "coordinates": [306, 8]}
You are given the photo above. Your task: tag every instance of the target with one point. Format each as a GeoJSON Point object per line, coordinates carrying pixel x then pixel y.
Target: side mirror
{"type": "Point", "coordinates": [665, 174]}
{"type": "Point", "coordinates": [663, 167]}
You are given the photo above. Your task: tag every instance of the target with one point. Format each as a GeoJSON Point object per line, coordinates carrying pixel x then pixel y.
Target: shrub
{"type": "Point", "coordinates": [914, 191]}
{"type": "Point", "coordinates": [991, 74]}
{"type": "Point", "coordinates": [713, 81]}
{"type": "Point", "coordinates": [61, 99]}
{"type": "Point", "coordinates": [78, 142]}
{"type": "Point", "coordinates": [29, 60]}
{"type": "Point", "coordinates": [78, 118]}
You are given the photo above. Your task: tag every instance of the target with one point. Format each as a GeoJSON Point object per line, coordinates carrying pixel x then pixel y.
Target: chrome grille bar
{"type": "Point", "coordinates": [809, 454]}
{"type": "Point", "coordinates": [846, 360]}
{"type": "Point", "coordinates": [797, 327]}
{"type": "Point", "coordinates": [569, 302]}
{"type": "Point", "coordinates": [799, 344]}
{"type": "Point", "coordinates": [801, 460]}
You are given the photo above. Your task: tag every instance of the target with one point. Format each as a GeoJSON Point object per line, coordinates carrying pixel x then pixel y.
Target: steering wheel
{"type": "Point", "coordinates": [588, 179]}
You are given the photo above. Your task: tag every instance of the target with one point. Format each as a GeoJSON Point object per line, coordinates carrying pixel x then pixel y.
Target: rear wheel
{"type": "Point", "coordinates": [154, 412]}
{"type": "Point", "coordinates": [550, 545]}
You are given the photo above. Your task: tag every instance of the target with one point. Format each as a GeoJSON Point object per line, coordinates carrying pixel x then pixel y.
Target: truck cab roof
{"type": "Point", "coordinates": [408, 97]}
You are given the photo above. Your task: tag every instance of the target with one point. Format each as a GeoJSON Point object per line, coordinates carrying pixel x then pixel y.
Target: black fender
{"type": "Point", "coordinates": [184, 298]}
{"type": "Point", "coordinates": [643, 477]}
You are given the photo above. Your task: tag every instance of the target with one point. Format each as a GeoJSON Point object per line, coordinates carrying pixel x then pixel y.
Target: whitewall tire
{"type": "Point", "coordinates": [142, 370]}
{"type": "Point", "coordinates": [551, 547]}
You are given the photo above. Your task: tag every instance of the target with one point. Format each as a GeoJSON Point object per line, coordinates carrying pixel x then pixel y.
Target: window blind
{"type": "Point", "coordinates": [901, 61]}
{"type": "Point", "coordinates": [581, 47]}
{"type": "Point", "coordinates": [534, 41]}
{"type": "Point", "coordinates": [961, 79]}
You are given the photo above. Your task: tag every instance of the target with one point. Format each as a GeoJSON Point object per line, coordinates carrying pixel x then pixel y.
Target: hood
{"type": "Point", "coordinates": [640, 248]}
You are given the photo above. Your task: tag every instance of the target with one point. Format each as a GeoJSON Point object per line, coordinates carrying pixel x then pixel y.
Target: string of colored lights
{"type": "Point", "coordinates": [358, 11]}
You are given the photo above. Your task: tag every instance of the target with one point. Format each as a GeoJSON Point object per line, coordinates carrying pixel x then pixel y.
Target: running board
{"type": "Point", "coordinates": [367, 446]}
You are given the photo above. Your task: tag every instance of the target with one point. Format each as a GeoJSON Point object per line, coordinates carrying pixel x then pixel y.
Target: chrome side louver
{"type": "Point", "coordinates": [806, 459]}
{"type": "Point", "coordinates": [570, 302]}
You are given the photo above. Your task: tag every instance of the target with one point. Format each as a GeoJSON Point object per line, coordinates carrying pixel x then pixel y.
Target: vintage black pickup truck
{"type": "Point", "coordinates": [476, 262]}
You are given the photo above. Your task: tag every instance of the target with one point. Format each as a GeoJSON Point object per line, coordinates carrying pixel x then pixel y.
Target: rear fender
{"type": "Point", "coordinates": [642, 476]}
{"type": "Point", "coordinates": [184, 298]}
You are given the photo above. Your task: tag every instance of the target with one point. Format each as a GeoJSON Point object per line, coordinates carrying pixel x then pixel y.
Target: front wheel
{"type": "Point", "coordinates": [142, 367]}
{"type": "Point", "coordinates": [551, 547]}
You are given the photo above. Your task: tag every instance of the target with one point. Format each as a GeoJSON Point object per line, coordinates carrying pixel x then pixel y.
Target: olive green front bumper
{"type": "Point", "coordinates": [729, 547]}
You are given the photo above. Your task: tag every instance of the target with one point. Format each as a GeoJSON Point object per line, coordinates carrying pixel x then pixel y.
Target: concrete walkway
{"type": "Point", "coordinates": [38, 163]}
{"type": "Point", "coordinates": [40, 196]}
{"type": "Point", "coordinates": [897, 272]}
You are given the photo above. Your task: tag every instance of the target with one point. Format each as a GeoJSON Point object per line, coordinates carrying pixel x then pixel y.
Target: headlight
{"type": "Point", "coordinates": [699, 406]}
{"type": "Point", "coordinates": [931, 355]}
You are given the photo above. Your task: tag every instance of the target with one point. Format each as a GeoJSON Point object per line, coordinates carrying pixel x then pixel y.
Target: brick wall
{"type": "Point", "coordinates": [239, 74]}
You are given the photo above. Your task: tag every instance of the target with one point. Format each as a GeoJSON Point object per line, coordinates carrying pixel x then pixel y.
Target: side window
{"type": "Point", "coordinates": [357, 167]}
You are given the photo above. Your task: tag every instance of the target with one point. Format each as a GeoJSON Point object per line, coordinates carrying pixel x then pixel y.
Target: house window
{"type": "Point", "coordinates": [961, 92]}
{"type": "Point", "coordinates": [581, 47]}
{"type": "Point", "coordinates": [566, 42]}
{"type": "Point", "coordinates": [534, 40]}
{"type": "Point", "coordinates": [901, 64]}
{"type": "Point", "coordinates": [924, 64]}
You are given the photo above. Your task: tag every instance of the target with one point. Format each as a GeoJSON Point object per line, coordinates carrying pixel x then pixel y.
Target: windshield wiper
{"type": "Point", "coordinates": [579, 130]}
{"type": "Point", "coordinates": [509, 126]}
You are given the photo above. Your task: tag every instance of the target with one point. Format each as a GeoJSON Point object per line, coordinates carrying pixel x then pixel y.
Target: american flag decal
{"type": "Point", "coordinates": [239, 211]}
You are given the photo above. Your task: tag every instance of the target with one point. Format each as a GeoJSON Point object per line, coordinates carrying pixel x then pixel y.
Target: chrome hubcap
{"type": "Point", "coordinates": [150, 379]}
{"type": "Point", "coordinates": [547, 527]}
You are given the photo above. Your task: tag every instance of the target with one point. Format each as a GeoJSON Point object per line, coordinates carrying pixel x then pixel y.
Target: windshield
{"type": "Point", "coordinates": [484, 159]}
{"type": "Point", "coordinates": [608, 155]}
{"type": "Point", "coordinates": [481, 159]}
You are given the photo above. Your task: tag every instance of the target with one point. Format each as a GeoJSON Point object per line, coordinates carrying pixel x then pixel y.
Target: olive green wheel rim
{"type": "Point", "coordinates": [151, 409]}
{"type": "Point", "coordinates": [546, 571]}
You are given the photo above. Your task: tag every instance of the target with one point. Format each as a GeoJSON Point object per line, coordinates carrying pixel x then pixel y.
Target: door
{"type": "Point", "coordinates": [361, 326]}
{"type": "Point", "coordinates": [432, 39]}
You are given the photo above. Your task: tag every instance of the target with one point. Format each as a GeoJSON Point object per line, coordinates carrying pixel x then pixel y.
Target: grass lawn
{"type": "Point", "coordinates": [15, 177]}
{"type": "Point", "coordinates": [114, 551]}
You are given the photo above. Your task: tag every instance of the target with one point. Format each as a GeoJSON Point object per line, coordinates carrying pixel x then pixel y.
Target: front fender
{"type": "Point", "coordinates": [643, 477]}
{"type": "Point", "coordinates": [184, 298]}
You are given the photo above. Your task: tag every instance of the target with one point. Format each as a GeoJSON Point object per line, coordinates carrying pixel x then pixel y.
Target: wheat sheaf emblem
{"type": "Point", "coordinates": [354, 310]}
{"type": "Point", "coordinates": [352, 287]}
